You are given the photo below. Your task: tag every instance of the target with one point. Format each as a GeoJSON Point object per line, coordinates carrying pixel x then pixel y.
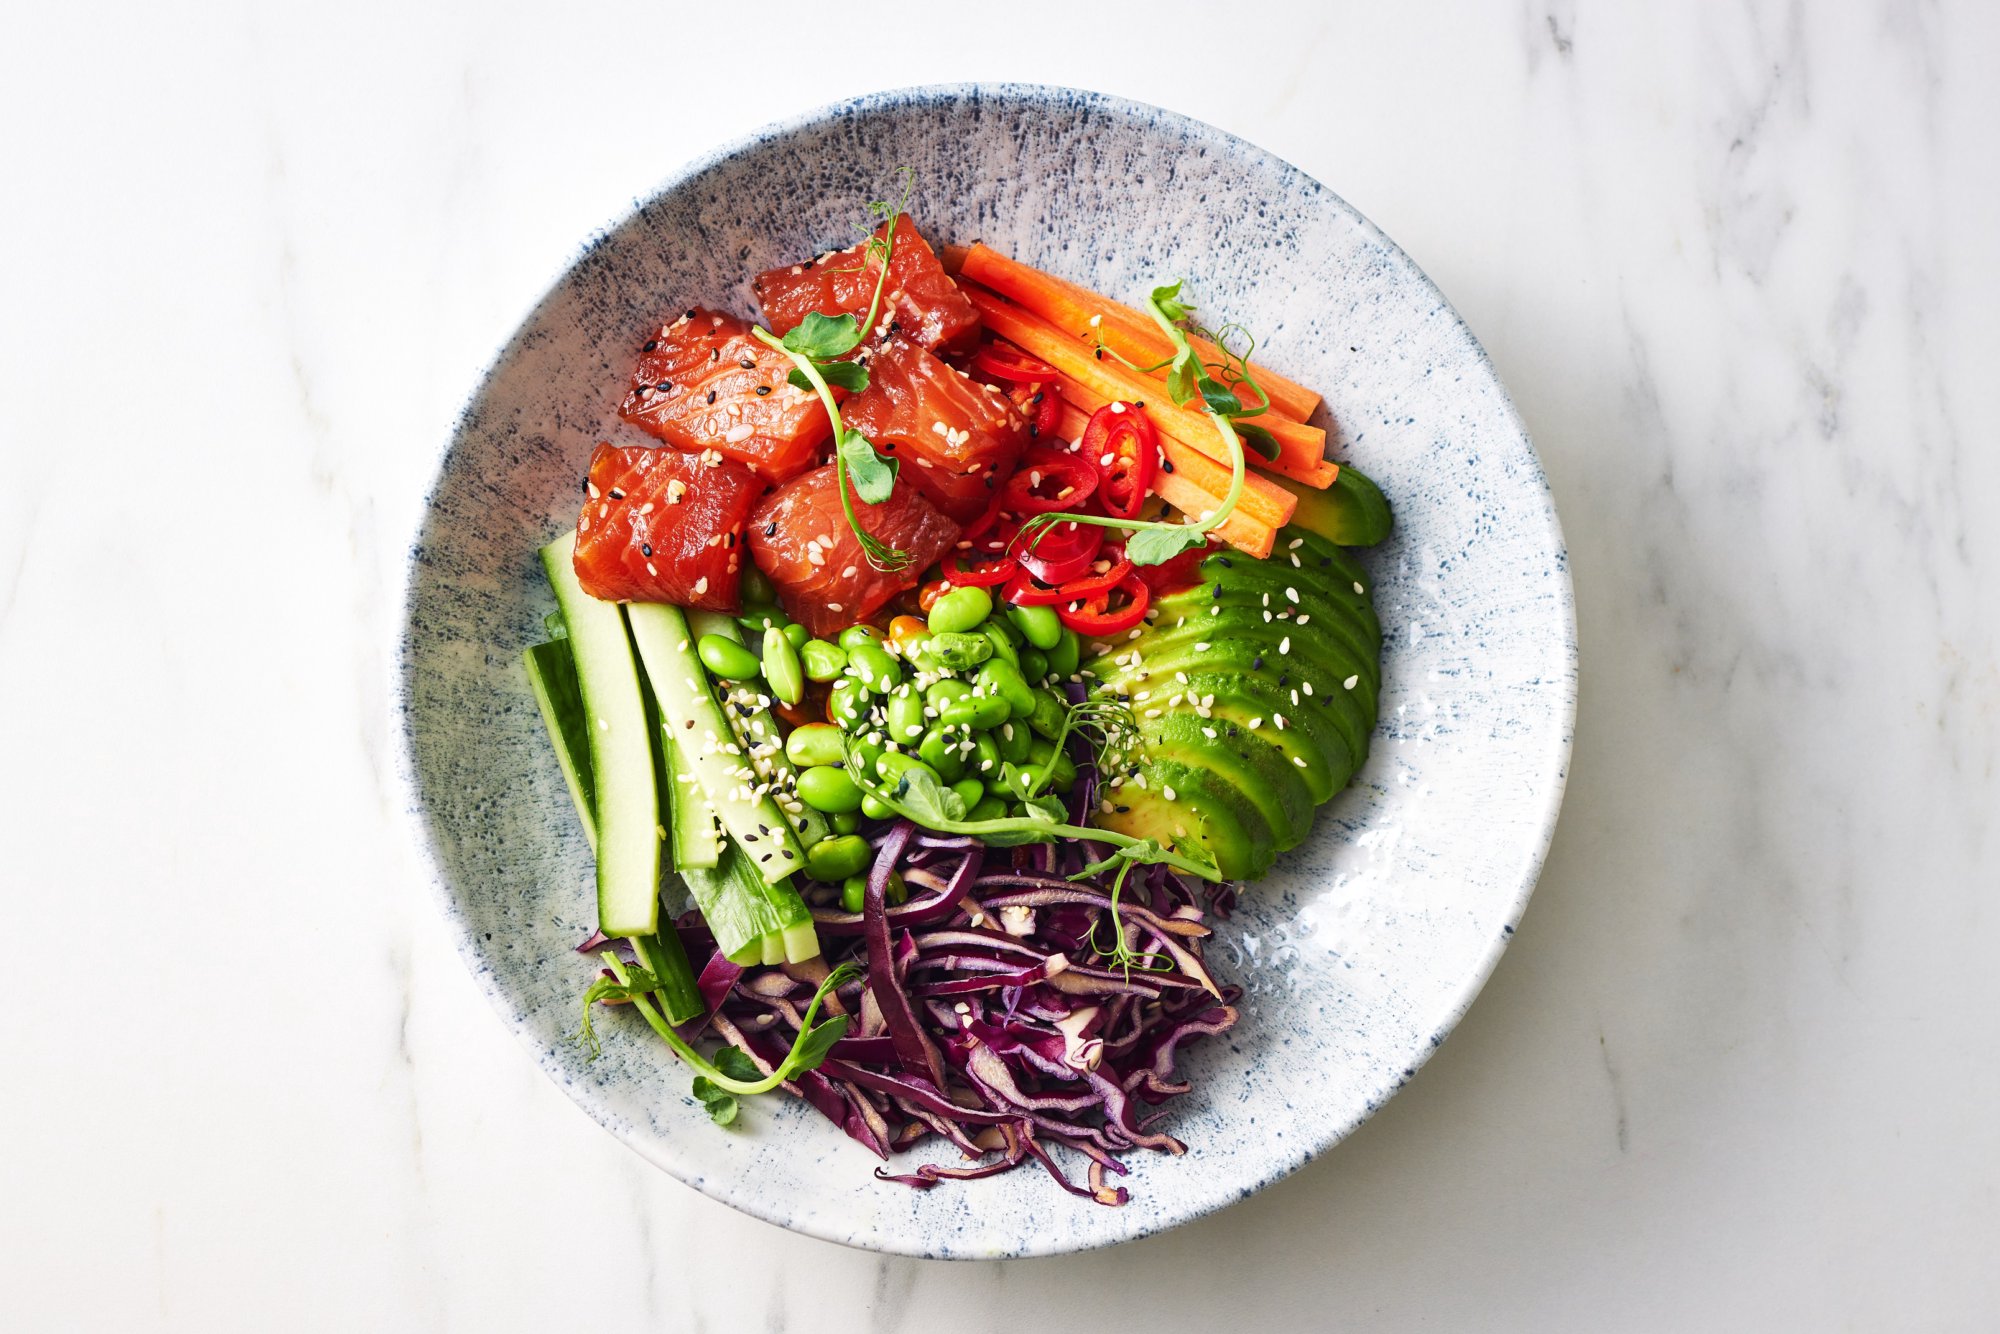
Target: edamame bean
{"type": "Point", "coordinates": [781, 667]}
{"type": "Point", "coordinates": [1066, 654]}
{"type": "Point", "coordinates": [989, 808]}
{"type": "Point", "coordinates": [846, 822]}
{"type": "Point", "coordinates": [1013, 740]}
{"type": "Point", "coordinates": [1048, 713]}
{"type": "Point", "coordinates": [756, 620]}
{"type": "Point", "coordinates": [867, 752]}
{"type": "Point", "coordinates": [814, 744]}
{"type": "Point", "coordinates": [959, 610]}
{"type": "Point", "coordinates": [940, 751]}
{"type": "Point", "coordinates": [834, 859]}
{"type": "Point", "coordinates": [893, 767]}
{"type": "Point", "coordinates": [1063, 777]}
{"type": "Point", "coordinates": [986, 757]}
{"type": "Point", "coordinates": [1040, 625]}
{"type": "Point", "coordinates": [822, 661]}
{"type": "Point", "coordinates": [1034, 666]}
{"type": "Point", "coordinates": [969, 790]}
{"type": "Point", "coordinates": [977, 711]}
{"type": "Point", "coordinates": [871, 663]}
{"type": "Point", "coordinates": [859, 634]}
{"type": "Point", "coordinates": [757, 588]}
{"type": "Point", "coordinates": [854, 893]}
{"type": "Point", "coordinates": [1016, 780]}
{"type": "Point", "coordinates": [872, 807]}
{"type": "Point", "coordinates": [943, 694]}
{"type": "Point", "coordinates": [796, 635]}
{"type": "Point", "coordinates": [958, 651]}
{"type": "Point", "coordinates": [995, 631]}
{"type": "Point", "coordinates": [905, 711]}
{"type": "Point", "coordinates": [847, 704]}
{"type": "Point", "coordinates": [727, 658]}
{"type": "Point", "coordinates": [829, 789]}
{"type": "Point", "coordinates": [1005, 680]}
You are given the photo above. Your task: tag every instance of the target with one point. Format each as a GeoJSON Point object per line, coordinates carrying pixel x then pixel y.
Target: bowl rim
{"type": "Point", "coordinates": [407, 792]}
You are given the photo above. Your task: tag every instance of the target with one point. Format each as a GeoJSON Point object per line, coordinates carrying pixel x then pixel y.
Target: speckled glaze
{"type": "Point", "coordinates": [1363, 947]}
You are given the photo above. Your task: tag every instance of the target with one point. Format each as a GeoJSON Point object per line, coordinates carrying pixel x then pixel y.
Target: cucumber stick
{"type": "Point", "coordinates": [758, 732]}
{"type": "Point", "coordinates": [697, 840]}
{"type": "Point", "coordinates": [552, 676]}
{"type": "Point", "coordinates": [703, 741]}
{"type": "Point", "coordinates": [627, 807]}
{"type": "Point", "coordinates": [753, 922]}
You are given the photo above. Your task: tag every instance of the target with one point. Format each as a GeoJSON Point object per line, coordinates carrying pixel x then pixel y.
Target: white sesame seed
{"type": "Point", "coordinates": [1299, 760]}
{"type": "Point", "coordinates": [1255, 723]}
{"type": "Point", "coordinates": [1358, 588]}
{"type": "Point", "coordinates": [701, 586]}
{"type": "Point", "coordinates": [1307, 687]}
{"type": "Point", "coordinates": [1350, 683]}
{"type": "Point", "coordinates": [1285, 644]}
{"type": "Point", "coordinates": [1167, 792]}
{"type": "Point", "coordinates": [1292, 594]}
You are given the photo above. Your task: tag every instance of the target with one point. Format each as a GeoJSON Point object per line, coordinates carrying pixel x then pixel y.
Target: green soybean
{"type": "Point", "coordinates": [943, 694]}
{"type": "Point", "coordinates": [859, 634]}
{"type": "Point", "coordinates": [969, 790]}
{"type": "Point", "coordinates": [847, 703]}
{"type": "Point", "coordinates": [1013, 739]}
{"type": "Point", "coordinates": [979, 712]}
{"type": "Point", "coordinates": [814, 744]}
{"type": "Point", "coordinates": [782, 671]}
{"type": "Point", "coordinates": [1005, 680]}
{"type": "Point", "coordinates": [1041, 626]}
{"type": "Point", "coordinates": [725, 657]}
{"type": "Point", "coordinates": [796, 635]}
{"type": "Point", "coordinates": [1034, 665]}
{"type": "Point", "coordinates": [989, 808]}
{"type": "Point", "coordinates": [1066, 654]}
{"type": "Point", "coordinates": [757, 620]}
{"type": "Point", "coordinates": [1048, 713]}
{"type": "Point", "coordinates": [854, 893]}
{"type": "Point", "coordinates": [907, 723]}
{"type": "Point", "coordinates": [957, 651]}
{"type": "Point", "coordinates": [757, 588]}
{"type": "Point", "coordinates": [822, 661]}
{"type": "Point", "coordinates": [986, 756]}
{"type": "Point", "coordinates": [846, 822]}
{"type": "Point", "coordinates": [874, 808]}
{"type": "Point", "coordinates": [871, 662]}
{"type": "Point", "coordinates": [940, 751]}
{"type": "Point", "coordinates": [1015, 780]}
{"type": "Point", "coordinates": [829, 789]}
{"type": "Point", "coordinates": [959, 610]}
{"type": "Point", "coordinates": [1003, 643]}
{"type": "Point", "coordinates": [866, 752]}
{"type": "Point", "coordinates": [834, 859]}
{"type": "Point", "coordinates": [893, 766]}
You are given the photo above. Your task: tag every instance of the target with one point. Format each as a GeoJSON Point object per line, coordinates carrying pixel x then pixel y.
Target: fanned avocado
{"type": "Point", "coordinates": [1255, 694]}
{"type": "Point", "coordinates": [1353, 511]}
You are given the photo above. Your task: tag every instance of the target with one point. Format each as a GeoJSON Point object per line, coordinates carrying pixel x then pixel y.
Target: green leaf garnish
{"type": "Point", "coordinates": [1143, 852]}
{"type": "Point", "coordinates": [721, 1106]}
{"type": "Point", "coordinates": [823, 337]}
{"type": "Point", "coordinates": [849, 375]}
{"type": "Point", "coordinates": [1157, 546]}
{"type": "Point", "coordinates": [737, 1063]}
{"type": "Point", "coordinates": [927, 800]}
{"type": "Point", "coordinates": [874, 477]}
{"type": "Point", "coordinates": [1258, 439]}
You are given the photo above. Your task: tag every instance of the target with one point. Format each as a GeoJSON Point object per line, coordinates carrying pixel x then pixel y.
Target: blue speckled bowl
{"type": "Point", "coordinates": [1364, 946]}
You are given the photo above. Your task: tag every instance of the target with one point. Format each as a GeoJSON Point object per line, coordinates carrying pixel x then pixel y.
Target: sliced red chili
{"type": "Point", "coordinates": [1096, 617]}
{"type": "Point", "coordinates": [1087, 586]}
{"type": "Point", "coordinates": [1059, 552]}
{"type": "Point", "coordinates": [984, 572]}
{"type": "Point", "coordinates": [1123, 447]}
{"type": "Point", "coordinates": [1004, 361]}
{"type": "Point", "coordinates": [1049, 484]}
{"type": "Point", "coordinates": [1024, 590]}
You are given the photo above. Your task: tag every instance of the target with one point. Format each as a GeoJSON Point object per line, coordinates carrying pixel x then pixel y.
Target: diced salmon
{"type": "Point", "coordinates": [956, 438]}
{"type": "Point", "coordinates": [921, 299]}
{"type": "Point", "coordinates": [703, 382]}
{"type": "Point", "coordinates": [662, 526]}
{"type": "Point", "coordinates": [800, 539]}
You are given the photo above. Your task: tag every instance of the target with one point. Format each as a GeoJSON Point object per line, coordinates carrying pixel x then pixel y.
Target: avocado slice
{"type": "Point", "coordinates": [1348, 714]}
{"type": "Point", "coordinates": [1203, 809]}
{"type": "Point", "coordinates": [1261, 773]}
{"type": "Point", "coordinates": [1324, 572]}
{"type": "Point", "coordinates": [1308, 741]}
{"type": "Point", "coordinates": [1328, 627]}
{"type": "Point", "coordinates": [1353, 511]}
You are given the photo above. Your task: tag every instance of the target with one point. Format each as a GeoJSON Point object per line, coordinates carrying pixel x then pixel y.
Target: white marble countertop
{"type": "Point", "coordinates": [1738, 264]}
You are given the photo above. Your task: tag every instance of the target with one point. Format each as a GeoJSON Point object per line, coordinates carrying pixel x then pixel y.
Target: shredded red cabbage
{"type": "Point", "coordinates": [992, 1021]}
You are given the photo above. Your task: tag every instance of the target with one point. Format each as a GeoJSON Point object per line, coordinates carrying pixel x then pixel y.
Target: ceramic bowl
{"type": "Point", "coordinates": [1363, 947]}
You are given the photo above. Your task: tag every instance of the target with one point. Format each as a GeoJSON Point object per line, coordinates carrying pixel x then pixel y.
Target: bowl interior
{"type": "Point", "coordinates": [1357, 954]}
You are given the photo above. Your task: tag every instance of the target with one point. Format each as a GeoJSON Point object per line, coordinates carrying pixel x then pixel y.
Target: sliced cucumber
{"type": "Point", "coordinates": [752, 921]}
{"type": "Point", "coordinates": [759, 732]}
{"type": "Point", "coordinates": [696, 838]}
{"type": "Point", "coordinates": [703, 740]}
{"type": "Point", "coordinates": [552, 676]}
{"type": "Point", "coordinates": [627, 800]}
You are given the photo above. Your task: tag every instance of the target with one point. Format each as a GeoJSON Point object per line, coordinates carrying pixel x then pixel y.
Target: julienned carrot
{"type": "Point", "coordinates": [1263, 499]}
{"type": "Point", "coordinates": [1130, 333]}
{"type": "Point", "coordinates": [1194, 492]}
{"type": "Point", "coordinates": [1301, 449]}
{"type": "Point", "coordinates": [952, 257]}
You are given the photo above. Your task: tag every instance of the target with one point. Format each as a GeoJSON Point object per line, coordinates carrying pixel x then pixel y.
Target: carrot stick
{"type": "Point", "coordinates": [1239, 529]}
{"type": "Point", "coordinates": [952, 257]}
{"type": "Point", "coordinates": [1263, 499]}
{"type": "Point", "coordinates": [1130, 333]}
{"type": "Point", "coordinates": [1301, 449]}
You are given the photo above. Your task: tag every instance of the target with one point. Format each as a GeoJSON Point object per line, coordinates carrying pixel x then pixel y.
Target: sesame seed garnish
{"type": "Point", "coordinates": [1255, 723]}
{"type": "Point", "coordinates": [1350, 683]}
{"type": "Point", "coordinates": [1358, 588]}
{"type": "Point", "coordinates": [701, 586]}
{"type": "Point", "coordinates": [1167, 792]}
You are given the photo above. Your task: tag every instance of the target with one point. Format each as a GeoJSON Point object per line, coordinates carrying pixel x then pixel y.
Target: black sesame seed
{"type": "Point", "coordinates": [586, 486]}
{"type": "Point", "coordinates": [1166, 465]}
{"type": "Point", "coordinates": [664, 386]}
{"type": "Point", "coordinates": [646, 549]}
{"type": "Point", "coordinates": [747, 364]}
{"type": "Point", "coordinates": [788, 854]}
{"type": "Point", "coordinates": [652, 345]}
{"type": "Point", "coordinates": [766, 857]}
{"type": "Point", "coordinates": [1257, 663]}
{"type": "Point", "coordinates": [1227, 563]}
{"type": "Point", "coordinates": [616, 494]}
{"type": "Point", "coordinates": [711, 396]}
{"type": "Point", "coordinates": [771, 528]}
{"type": "Point", "coordinates": [1123, 810]}
{"type": "Point", "coordinates": [690, 313]}
{"type": "Point", "coordinates": [763, 389]}
{"type": "Point", "coordinates": [749, 838]}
